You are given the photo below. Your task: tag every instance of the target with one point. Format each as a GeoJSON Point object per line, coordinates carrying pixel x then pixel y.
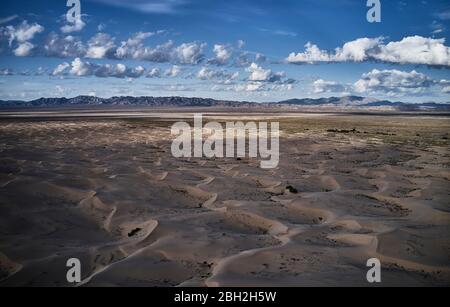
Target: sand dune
{"type": "Point", "coordinates": [110, 193]}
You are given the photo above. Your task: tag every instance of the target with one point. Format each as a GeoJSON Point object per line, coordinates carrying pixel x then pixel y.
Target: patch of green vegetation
{"type": "Point", "coordinates": [415, 131]}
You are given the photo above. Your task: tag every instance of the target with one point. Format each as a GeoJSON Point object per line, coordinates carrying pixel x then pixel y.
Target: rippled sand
{"type": "Point", "coordinates": [109, 192]}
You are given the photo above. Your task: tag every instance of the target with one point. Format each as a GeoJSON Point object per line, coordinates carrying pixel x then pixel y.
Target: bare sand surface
{"type": "Point", "coordinates": [109, 192]}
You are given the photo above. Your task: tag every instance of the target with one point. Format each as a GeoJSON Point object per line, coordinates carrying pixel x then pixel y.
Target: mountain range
{"type": "Point", "coordinates": [346, 102]}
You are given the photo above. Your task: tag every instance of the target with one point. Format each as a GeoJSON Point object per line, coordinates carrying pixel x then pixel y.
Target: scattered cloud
{"type": "Point", "coordinates": [60, 89]}
{"type": "Point", "coordinates": [257, 73]}
{"type": "Point", "coordinates": [149, 6]}
{"type": "Point", "coordinates": [82, 68]}
{"type": "Point", "coordinates": [445, 15]}
{"type": "Point", "coordinates": [159, 54]}
{"type": "Point", "coordinates": [23, 32]}
{"type": "Point", "coordinates": [321, 86]}
{"type": "Point", "coordinates": [154, 73]}
{"type": "Point", "coordinates": [23, 49]}
{"type": "Point", "coordinates": [119, 71]}
{"type": "Point", "coordinates": [189, 53]}
{"type": "Point", "coordinates": [259, 58]}
{"type": "Point", "coordinates": [60, 69]}
{"type": "Point", "coordinates": [410, 50]}
{"type": "Point", "coordinates": [20, 36]}
{"type": "Point", "coordinates": [249, 87]}
{"type": "Point", "coordinates": [243, 59]}
{"type": "Point", "coordinates": [103, 46]}
{"type": "Point", "coordinates": [278, 32]}
{"type": "Point", "coordinates": [210, 74]}
{"type": "Point", "coordinates": [173, 71]}
{"type": "Point", "coordinates": [6, 72]}
{"type": "Point", "coordinates": [7, 19]}
{"type": "Point", "coordinates": [392, 82]}
{"type": "Point", "coordinates": [259, 80]}
{"type": "Point", "coordinates": [223, 54]}
{"type": "Point", "coordinates": [40, 71]}
{"type": "Point", "coordinates": [63, 46]}
{"type": "Point", "coordinates": [388, 82]}
{"type": "Point", "coordinates": [101, 27]}
{"type": "Point", "coordinates": [252, 86]}
{"type": "Point", "coordinates": [171, 88]}
{"type": "Point", "coordinates": [132, 47]}
{"type": "Point", "coordinates": [100, 46]}
{"type": "Point", "coordinates": [437, 27]}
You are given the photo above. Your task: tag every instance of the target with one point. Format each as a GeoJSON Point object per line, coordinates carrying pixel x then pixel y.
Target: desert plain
{"type": "Point", "coordinates": [105, 188]}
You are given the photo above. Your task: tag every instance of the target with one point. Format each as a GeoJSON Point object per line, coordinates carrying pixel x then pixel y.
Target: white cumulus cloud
{"type": "Point", "coordinates": [133, 46]}
{"type": "Point", "coordinates": [173, 71]}
{"type": "Point", "coordinates": [63, 46]}
{"type": "Point", "coordinates": [257, 73]}
{"type": "Point", "coordinates": [21, 35]}
{"type": "Point", "coordinates": [189, 53]}
{"type": "Point", "coordinates": [409, 50]}
{"type": "Point", "coordinates": [100, 46]}
{"type": "Point", "coordinates": [82, 68]}
{"type": "Point", "coordinates": [223, 54]}
{"type": "Point", "coordinates": [392, 81]}
{"type": "Point", "coordinates": [24, 49]}
{"type": "Point", "coordinates": [210, 74]}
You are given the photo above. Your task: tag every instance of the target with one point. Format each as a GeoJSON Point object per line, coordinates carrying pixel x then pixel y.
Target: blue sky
{"type": "Point", "coordinates": [237, 49]}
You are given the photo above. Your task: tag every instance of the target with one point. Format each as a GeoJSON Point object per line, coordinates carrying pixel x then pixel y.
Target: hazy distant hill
{"type": "Point", "coordinates": [354, 100]}
{"type": "Point", "coordinates": [348, 102]}
{"type": "Point", "coordinates": [367, 103]}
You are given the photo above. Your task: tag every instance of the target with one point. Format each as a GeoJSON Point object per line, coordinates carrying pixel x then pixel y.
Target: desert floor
{"type": "Point", "coordinates": [109, 192]}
